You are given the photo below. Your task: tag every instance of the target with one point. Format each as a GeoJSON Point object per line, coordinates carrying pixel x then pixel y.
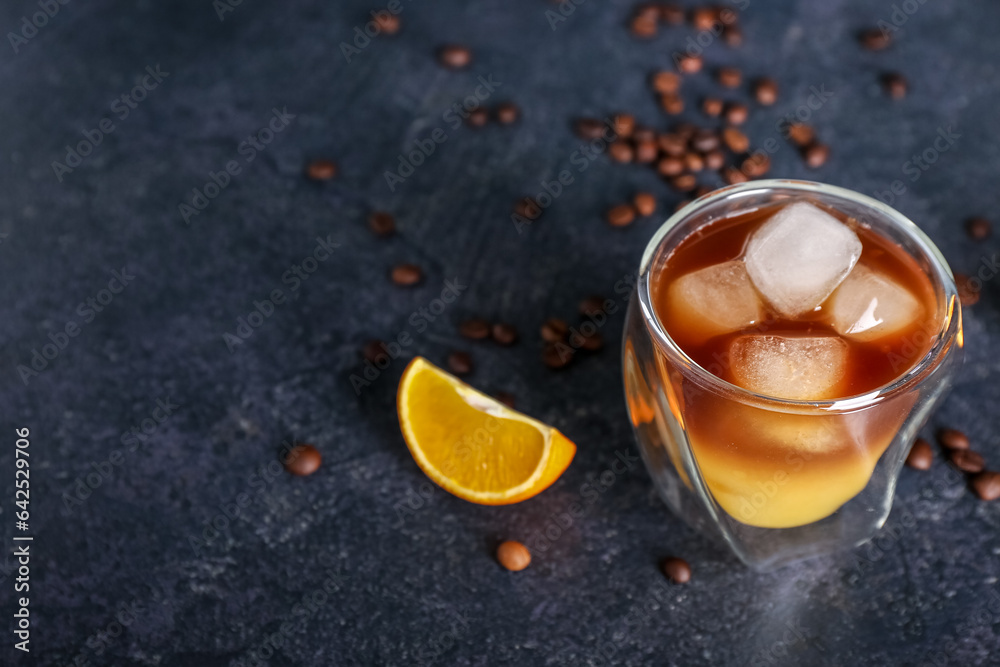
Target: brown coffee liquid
{"type": "Point", "coordinates": [872, 364]}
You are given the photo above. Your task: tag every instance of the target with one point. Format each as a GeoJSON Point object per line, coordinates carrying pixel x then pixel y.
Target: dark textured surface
{"type": "Point", "coordinates": [420, 586]}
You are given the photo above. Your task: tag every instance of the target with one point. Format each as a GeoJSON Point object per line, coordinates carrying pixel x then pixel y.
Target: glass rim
{"type": "Point", "coordinates": [946, 331]}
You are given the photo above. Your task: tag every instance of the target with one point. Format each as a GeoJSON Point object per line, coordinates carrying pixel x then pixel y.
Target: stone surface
{"type": "Point", "coordinates": [420, 585]}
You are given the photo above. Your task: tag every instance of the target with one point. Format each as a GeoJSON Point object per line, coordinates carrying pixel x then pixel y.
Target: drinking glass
{"type": "Point", "coordinates": [779, 480]}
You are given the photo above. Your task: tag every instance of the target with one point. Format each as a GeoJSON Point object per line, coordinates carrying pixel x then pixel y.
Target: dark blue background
{"type": "Point", "coordinates": [421, 586]}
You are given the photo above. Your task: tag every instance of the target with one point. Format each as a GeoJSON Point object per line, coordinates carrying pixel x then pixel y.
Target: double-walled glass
{"type": "Point", "coordinates": [777, 479]}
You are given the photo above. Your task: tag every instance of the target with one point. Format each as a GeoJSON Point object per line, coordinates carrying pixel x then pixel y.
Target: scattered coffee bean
{"type": "Point", "coordinates": [460, 363]}
{"type": "Point", "coordinates": [382, 223]}
{"type": "Point", "coordinates": [685, 130]}
{"type": "Point", "coordinates": [671, 14]}
{"type": "Point", "coordinates": [478, 117]}
{"type": "Point", "coordinates": [705, 140]}
{"type": "Point", "coordinates": [454, 56]}
{"type": "Point", "coordinates": [711, 106]}
{"type": "Point", "coordinates": [506, 398]}
{"type": "Point", "coordinates": [689, 64]}
{"type": "Point", "coordinates": [589, 128]}
{"type": "Point", "coordinates": [736, 113]}
{"type": "Point", "coordinates": [646, 151]}
{"type": "Point", "coordinates": [592, 342]}
{"type": "Point", "coordinates": [321, 170]}
{"type": "Point", "coordinates": [895, 85]}
{"type": "Point", "coordinates": [693, 162]}
{"type": "Point", "coordinates": [623, 124]}
{"type": "Point", "coordinates": [643, 134]}
{"type": "Point", "coordinates": [526, 207]}
{"type": "Point", "coordinates": [373, 351]}
{"type": "Point", "coordinates": [303, 460]}
{"type": "Point", "coordinates": [407, 275]}
{"type": "Point", "coordinates": [644, 25]}
{"type": "Point", "coordinates": [953, 439]}
{"type": "Point", "coordinates": [735, 140]}
{"type": "Point", "coordinates": [592, 306]}
{"type": "Point", "coordinates": [756, 165]}
{"type": "Point", "coordinates": [557, 355]}
{"type": "Point", "coordinates": [732, 35]}
{"type": "Point", "coordinates": [387, 23]}
{"type": "Point", "coordinates": [504, 334]}
{"type": "Point", "coordinates": [684, 182]}
{"type": "Point", "coordinates": [672, 144]}
{"type": "Point", "coordinates": [987, 485]}
{"type": "Point", "coordinates": [677, 570]}
{"type": "Point", "coordinates": [644, 203]}
{"type": "Point", "coordinates": [702, 18]}
{"type": "Point", "coordinates": [666, 83]}
{"type": "Point", "coordinates": [765, 91]}
{"type": "Point", "coordinates": [554, 330]}
{"type": "Point", "coordinates": [621, 152]}
{"type": "Point", "coordinates": [800, 134]}
{"type": "Point", "coordinates": [979, 228]}
{"type": "Point", "coordinates": [815, 155]}
{"type": "Point", "coordinates": [507, 113]}
{"type": "Point", "coordinates": [967, 460]}
{"type": "Point", "coordinates": [732, 176]}
{"type": "Point", "coordinates": [968, 291]}
{"type": "Point", "coordinates": [670, 166]}
{"type": "Point", "coordinates": [513, 555]}
{"type": "Point", "coordinates": [672, 104]}
{"type": "Point", "coordinates": [476, 329]}
{"type": "Point", "coordinates": [621, 215]}
{"type": "Point", "coordinates": [715, 160]}
{"type": "Point", "coordinates": [874, 39]}
{"type": "Point", "coordinates": [730, 77]}
{"type": "Point", "coordinates": [920, 455]}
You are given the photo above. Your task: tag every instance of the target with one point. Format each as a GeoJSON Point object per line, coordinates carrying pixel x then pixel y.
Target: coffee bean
{"type": "Point", "coordinates": [672, 144]}
{"type": "Point", "coordinates": [526, 207]}
{"type": "Point", "coordinates": [643, 134]}
{"type": "Point", "coordinates": [730, 77]}
{"type": "Point", "coordinates": [302, 460]}
{"type": "Point", "coordinates": [874, 39]}
{"type": "Point", "coordinates": [705, 140]}
{"type": "Point", "coordinates": [592, 342]}
{"type": "Point", "coordinates": [507, 113]}
{"type": "Point", "coordinates": [968, 291]}
{"type": "Point", "coordinates": [670, 166]}
{"type": "Point", "coordinates": [646, 151]}
{"type": "Point", "coordinates": [460, 363]}
{"type": "Point", "coordinates": [373, 351]}
{"type": "Point", "coordinates": [592, 306]}
{"type": "Point", "coordinates": [736, 113]}
{"type": "Point", "coordinates": [702, 18]}
{"type": "Point", "coordinates": [765, 91]}
{"type": "Point", "coordinates": [407, 275]}
{"type": "Point", "coordinates": [711, 106]}
{"type": "Point", "coordinates": [554, 330]}
{"type": "Point", "coordinates": [815, 155]}
{"type": "Point", "coordinates": [677, 570]}
{"type": "Point", "coordinates": [643, 26]}
{"type": "Point", "coordinates": [478, 117]}
{"type": "Point", "coordinates": [387, 23]}
{"type": "Point", "coordinates": [953, 439]}
{"type": "Point", "coordinates": [732, 35]}
{"type": "Point", "coordinates": [894, 85]}
{"type": "Point", "coordinates": [735, 140]}
{"type": "Point", "coordinates": [800, 134]}
{"type": "Point", "coordinates": [557, 355]}
{"type": "Point", "coordinates": [506, 398]}
{"type": "Point", "coordinates": [684, 182]}
{"type": "Point", "coordinates": [623, 124]}
{"type": "Point", "coordinates": [987, 485]}
{"type": "Point", "coordinates": [684, 130]}
{"type": "Point", "coordinates": [477, 328]}
{"type": "Point", "coordinates": [589, 128]}
{"type": "Point", "coordinates": [513, 555]}
{"type": "Point", "coordinates": [671, 14]}
{"type": "Point", "coordinates": [714, 160]}
{"type": "Point", "coordinates": [732, 176]}
{"type": "Point", "coordinates": [454, 56]}
{"type": "Point", "coordinates": [666, 83]}
{"type": "Point", "coordinates": [644, 203]}
{"type": "Point", "coordinates": [621, 215]}
{"type": "Point", "coordinates": [672, 104]}
{"type": "Point", "coordinates": [321, 170]}
{"type": "Point", "coordinates": [689, 64]}
{"type": "Point", "coordinates": [621, 152]}
{"type": "Point", "coordinates": [504, 334]}
{"type": "Point", "coordinates": [979, 228]}
{"type": "Point", "coordinates": [693, 162]}
{"type": "Point", "coordinates": [967, 460]}
{"type": "Point", "coordinates": [920, 455]}
{"type": "Point", "coordinates": [382, 223]}
{"type": "Point", "coordinates": [756, 165]}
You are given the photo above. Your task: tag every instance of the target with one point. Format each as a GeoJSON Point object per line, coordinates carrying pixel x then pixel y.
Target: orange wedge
{"type": "Point", "coordinates": [472, 445]}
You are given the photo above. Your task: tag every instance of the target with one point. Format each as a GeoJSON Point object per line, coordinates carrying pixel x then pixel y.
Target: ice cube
{"type": "Point", "coordinates": [798, 257]}
{"type": "Point", "coordinates": [869, 305]}
{"type": "Point", "coordinates": [714, 300]}
{"type": "Point", "coordinates": [803, 368]}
